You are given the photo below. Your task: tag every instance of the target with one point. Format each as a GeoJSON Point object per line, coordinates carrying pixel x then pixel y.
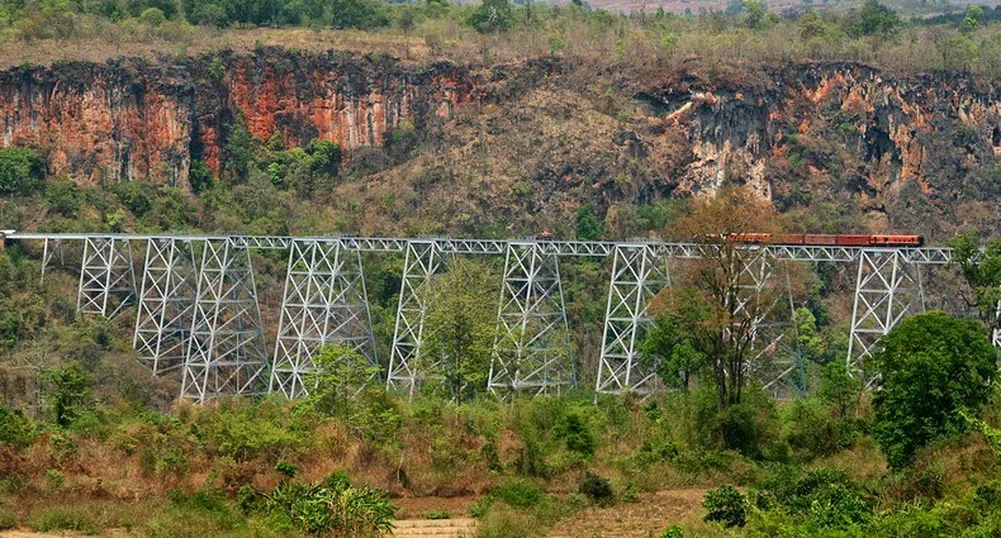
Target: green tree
{"type": "Point", "coordinates": [492, 16]}
{"type": "Point", "coordinates": [67, 393]}
{"type": "Point", "coordinates": [971, 21]}
{"type": "Point", "coordinates": [755, 13]}
{"type": "Point", "coordinates": [153, 17]}
{"type": "Point", "coordinates": [589, 225]}
{"type": "Point", "coordinates": [239, 150]}
{"type": "Point", "coordinates": [21, 170]}
{"type": "Point", "coordinates": [810, 26]}
{"type": "Point", "coordinates": [359, 14]}
{"type": "Point", "coordinates": [325, 156]}
{"type": "Point", "coordinates": [959, 52]}
{"type": "Point", "coordinates": [934, 368]}
{"type": "Point", "coordinates": [200, 176]}
{"type": "Point", "coordinates": [874, 19]}
{"type": "Point", "coordinates": [459, 328]}
{"type": "Point", "coordinates": [339, 374]}
{"type": "Point", "coordinates": [668, 347]}
{"type": "Point", "coordinates": [982, 272]}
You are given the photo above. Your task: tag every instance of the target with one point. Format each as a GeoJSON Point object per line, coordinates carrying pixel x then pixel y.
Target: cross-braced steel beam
{"type": "Point", "coordinates": [50, 252]}
{"type": "Point", "coordinates": [107, 277]}
{"type": "Point", "coordinates": [324, 303]}
{"type": "Point", "coordinates": [532, 349]}
{"type": "Point", "coordinates": [166, 303]}
{"type": "Point", "coordinates": [638, 273]}
{"type": "Point", "coordinates": [777, 362]}
{"type": "Point", "coordinates": [887, 289]}
{"type": "Point", "coordinates": [423, 259]}
{"type": "Point", "coordinates": [226, 350]}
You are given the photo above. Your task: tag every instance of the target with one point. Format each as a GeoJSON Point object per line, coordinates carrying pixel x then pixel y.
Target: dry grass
{"type": "Point", "coordinates": [607, 42]}
{"type": "Point", "coordinates": [197, 40]}
{"type": "Point", "coordinates": [651, 514]}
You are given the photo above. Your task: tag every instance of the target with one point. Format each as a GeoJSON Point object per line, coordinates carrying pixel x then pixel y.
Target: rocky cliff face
{"type": "Point", "coordinates": [913, 152]}
{"type": "Point", "coordinates": [812, 131]}
{"type": "Point", "coordinates": [131, 119]}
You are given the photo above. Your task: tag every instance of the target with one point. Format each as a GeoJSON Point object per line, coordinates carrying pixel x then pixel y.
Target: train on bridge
{"type": "Point", "coordinates": [839, 240]}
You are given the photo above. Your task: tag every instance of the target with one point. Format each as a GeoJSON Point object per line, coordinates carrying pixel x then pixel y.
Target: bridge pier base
{"type": "Point", "coordinates": [166, 303]}
{"type": "Point", "coordinates": [324, 302]}
{"type": "Point", "coordinates": [532, 348]}
{"type": "Point", "coordinates": [887, 289]}
{"type": "Point", "coordinates": [638, 274]}
{"type": "Point", "coordinates": [226, 351]}
{"type": "Point", "coordinates": [423, 258]}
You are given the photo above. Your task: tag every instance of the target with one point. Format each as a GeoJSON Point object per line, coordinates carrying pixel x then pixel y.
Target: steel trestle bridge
{"type": "Point", "coordinates": [198, 309]}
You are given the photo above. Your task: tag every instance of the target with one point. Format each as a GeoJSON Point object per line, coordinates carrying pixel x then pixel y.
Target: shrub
{"type": "Point", "coordinates": [15, 429]}
{"type": "Point", "coordinates": [8, 518]}
{"type": "Point", "coordinates": [63, 197]}
{"type": "Point", "coordinates": [577, 434]}
{"type": "Point", "coordinates": [245, 432]}
{"type": "Point", "coordinates": [21, 170]}
{"type": "Point", "coordinates": [518, 492]}
{"type": "Point", "coordinates": [726, 505]}
{"type": "Point", "coordinates": [934, 368]}
{"type": "Point", "coordinates": [507, 524]}
{"type": "Point", "coordinates": [597, 488]}
{"type": "Point", "coordinates": [200, 175]}
{"type": "Point", "coordinates": [136, 196]}
{"type": "Point", "coordinates": [67, 393]}
{"type": "Point", "coordinates": [813, 430]}
{"type": "Point", "coordinates": [152, 17]}
{"type": "Point", "coordinates": [333, 507]}
{"type": "Point", "coordinates": [674, 531]}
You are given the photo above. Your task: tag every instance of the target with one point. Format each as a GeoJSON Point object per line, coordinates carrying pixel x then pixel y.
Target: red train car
{"type": "Point", "coordinates": [842, 240]}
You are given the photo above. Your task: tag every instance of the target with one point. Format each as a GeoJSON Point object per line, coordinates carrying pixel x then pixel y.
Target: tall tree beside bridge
{"type": "Point", "coordinates": [718, 303]}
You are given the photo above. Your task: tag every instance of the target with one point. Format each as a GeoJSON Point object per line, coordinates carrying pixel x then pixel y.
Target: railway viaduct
{"type": "Point", "coordinates": [197, 307]}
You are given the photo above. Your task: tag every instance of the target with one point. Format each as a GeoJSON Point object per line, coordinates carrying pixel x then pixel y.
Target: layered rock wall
{"type": "Point", "coordinates": [132, 119]}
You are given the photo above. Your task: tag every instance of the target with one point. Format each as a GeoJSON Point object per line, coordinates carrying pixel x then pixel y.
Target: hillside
{"type": "Point", "coordinates": [525, 144]}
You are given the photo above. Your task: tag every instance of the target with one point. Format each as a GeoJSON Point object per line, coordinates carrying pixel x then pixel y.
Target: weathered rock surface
{"type": "Point", "coordinates": [132, 119]}
{"type": "Point", "coordinates": [899, 148]}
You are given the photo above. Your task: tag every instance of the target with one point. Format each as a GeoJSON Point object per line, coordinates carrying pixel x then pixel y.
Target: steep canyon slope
{"type": "Point", "coordinates": [519, 147]}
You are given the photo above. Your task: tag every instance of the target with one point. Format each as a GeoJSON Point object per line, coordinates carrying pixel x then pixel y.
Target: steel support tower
{"type": "Point", "coordinates": [638, 274]}
{"type": "Point", "coordinates": [532, 347]}
{"type": "Point", "coordinates": [777, 361]}
{"type": "Point", "coordinates": [226, 351]}
{"type": "Point", "coordinates": [324, 303]}
{"type": "Point", "coordinates": [107, 277]}
{"type": "Point", "coordinates": [423, 259]}
{"type": "Point", "coordinates": [166, 304]}
{"type": "Point", "coordinates": [887, 289]}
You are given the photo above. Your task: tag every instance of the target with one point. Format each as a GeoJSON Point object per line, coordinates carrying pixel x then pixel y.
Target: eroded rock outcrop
{"type": "Point", "coordinates": [131, 119]}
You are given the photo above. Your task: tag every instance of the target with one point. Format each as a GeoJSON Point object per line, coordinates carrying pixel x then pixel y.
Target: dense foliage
{"type": "Point", "coordinates": [933, 368]}
{"type": "Point", "coordinates": [20, 170]}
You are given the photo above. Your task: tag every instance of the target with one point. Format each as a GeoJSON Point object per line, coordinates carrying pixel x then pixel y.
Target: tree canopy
{"type": "Point", "coordinates": [934, 367]}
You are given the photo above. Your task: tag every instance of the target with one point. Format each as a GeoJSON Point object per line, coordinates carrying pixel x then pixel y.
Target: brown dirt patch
{"type": "Point", "coordinates": [647, 517]}
{"type": "Point", "coordinates": [419, 507]}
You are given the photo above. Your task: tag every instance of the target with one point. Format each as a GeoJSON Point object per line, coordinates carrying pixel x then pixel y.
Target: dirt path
{"type": "Point", "coordinates": [436, 528]}
{"type": "Point", "coordinates": [643, 519]}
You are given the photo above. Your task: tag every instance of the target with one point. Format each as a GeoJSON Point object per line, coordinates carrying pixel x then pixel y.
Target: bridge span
{"type": "Point", "coordinates": [197, 307]}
